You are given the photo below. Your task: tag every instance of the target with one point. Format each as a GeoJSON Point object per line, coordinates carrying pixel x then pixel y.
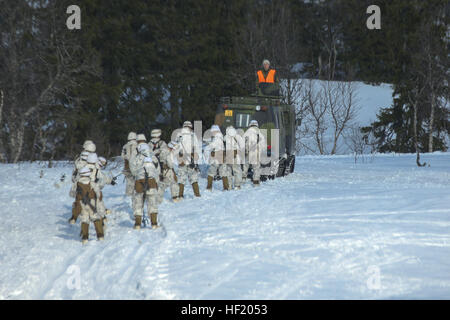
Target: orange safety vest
{"type": "Point", "coordinates": [270, 76]}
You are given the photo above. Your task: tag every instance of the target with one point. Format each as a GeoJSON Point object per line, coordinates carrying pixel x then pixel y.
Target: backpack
{"type": "Point", "coordinates": [85, 193]}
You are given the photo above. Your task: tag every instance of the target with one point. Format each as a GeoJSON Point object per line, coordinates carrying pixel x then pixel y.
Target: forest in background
{"type": "Point", "coordinates": [138, 65]}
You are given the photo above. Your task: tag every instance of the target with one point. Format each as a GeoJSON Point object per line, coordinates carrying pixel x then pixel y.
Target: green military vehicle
{"type": "Point", "coordinates": [270, 113]}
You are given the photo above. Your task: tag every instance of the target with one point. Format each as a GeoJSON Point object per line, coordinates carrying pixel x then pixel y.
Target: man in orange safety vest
{"type": "Point", "coordinates": [267, 80]}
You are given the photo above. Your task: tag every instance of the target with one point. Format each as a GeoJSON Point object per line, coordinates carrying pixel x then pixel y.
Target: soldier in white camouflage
{"type": "Point", "coordinates": [88, 191]}
{"type": "Point", "coordinates": [140, 139]}
{"type": "Point", "coordinates": [188, 156]}
{"type": "Point", "coordinates": [80, 162]}
{"type": "Point", "coordinates": [215, 152]}
{"type": "Point", "coordinates": [169, 178]}
{"type": "Point", "coordinates": [234, 148]}
{"type": "Point", "coordinates": [157, 146]}
{"type": "Point", "coordinates": [100, 179]}
{"type": "Point", "coordinates": [128, 152]}
{"type": "Point", "coordinates": [103, 178]}
{"type": "Point", "coordinates": [254, 146]}
{"type": "Point", "coordinates": [146, 171]}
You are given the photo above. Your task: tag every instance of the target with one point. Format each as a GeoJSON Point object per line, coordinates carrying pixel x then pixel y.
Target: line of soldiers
{"type": "Point", "coordinates": [149, 169]}
{"type": "Point", "coordinates": [232, 155]}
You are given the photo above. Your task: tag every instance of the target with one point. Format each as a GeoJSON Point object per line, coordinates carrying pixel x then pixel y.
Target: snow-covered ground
{"type": "Point", "coordinates": [333, 229]}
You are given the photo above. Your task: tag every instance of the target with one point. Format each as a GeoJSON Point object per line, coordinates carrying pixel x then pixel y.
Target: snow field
{"type": "Point", "coordinates": [332, 230]}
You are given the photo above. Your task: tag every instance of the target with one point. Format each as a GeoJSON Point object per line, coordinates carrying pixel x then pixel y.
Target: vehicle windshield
{"type": "Point", "coordinates": [243, 120]}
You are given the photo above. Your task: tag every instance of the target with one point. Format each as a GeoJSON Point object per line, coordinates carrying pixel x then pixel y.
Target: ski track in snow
{"type": "Point", "coordinates": [315, 234]}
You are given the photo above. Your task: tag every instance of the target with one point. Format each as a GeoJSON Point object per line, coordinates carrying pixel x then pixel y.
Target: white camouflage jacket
{"type": "Point", "coordinates": [255, 144]}
{"type": "Point", "coordinates": [188, 144]}
{"type": "Point", "coordinates": [215, 145]}
{"type": "Point", "coordinates": [234, 145]}
{"type": "Point", "coordinates": [138, 169]}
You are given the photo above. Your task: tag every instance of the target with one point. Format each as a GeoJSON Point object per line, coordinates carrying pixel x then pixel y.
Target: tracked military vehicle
{"type": "Point", "coordinates": [270, 113]}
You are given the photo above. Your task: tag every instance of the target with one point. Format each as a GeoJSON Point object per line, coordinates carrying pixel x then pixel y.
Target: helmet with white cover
{"type": "Point", "coordinates": [132, 136]}
{"type": "Point", "coordinates": [90, 148]}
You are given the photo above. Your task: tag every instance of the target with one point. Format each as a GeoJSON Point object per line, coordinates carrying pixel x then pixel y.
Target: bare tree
{"type": "Point", "coordinates": [302, 106]}
{"type": "Point", "coordinates": [40, 60]}
{"type": "Point", "coordinates": [318, 109]}
{"type": "Point", "coordinates": [413, 97]}
{"type": "Point", "coordinates": [432, 65]}
{"type": "Point", "coordinates": [327, 109]}
{"type": "Point", "coordinates": [330, 47]}
{"type": "Point", "coordinates": [342, 100]}
{"type": "Point", "coordinates": [328, 31]}
{"type": "Point", "coordinates": [355, 141]}
{"type": "Point", "coordinates": [312, 109]}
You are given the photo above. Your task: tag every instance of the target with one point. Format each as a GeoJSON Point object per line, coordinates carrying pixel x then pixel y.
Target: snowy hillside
{"type": "Point", "coordinates": [333, 229]}
{"type": "Point", "coordinates": [370, 98]}
{"type": "Point", "coordinates": [368, 101]}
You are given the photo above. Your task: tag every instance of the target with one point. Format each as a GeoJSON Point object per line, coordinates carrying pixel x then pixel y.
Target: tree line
{"type": "Point", "coordinates": [138, 65]}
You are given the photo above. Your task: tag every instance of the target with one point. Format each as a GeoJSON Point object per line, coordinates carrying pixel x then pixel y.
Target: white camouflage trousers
{"type": "Point", "coordinates": [169, 181]}
{"type": "Point", "coordinates": [233, 172]}
{"type": "Point", "coordinates": [88, 212]}
{"type": "Point", "coordinates": [101, 209]}
{"type": "Point", "coordinates": [186, 173]}
{"type": "Point", "coordinates": [151, 198]}
{"type": "Point", "coordinates": [219, 169]}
